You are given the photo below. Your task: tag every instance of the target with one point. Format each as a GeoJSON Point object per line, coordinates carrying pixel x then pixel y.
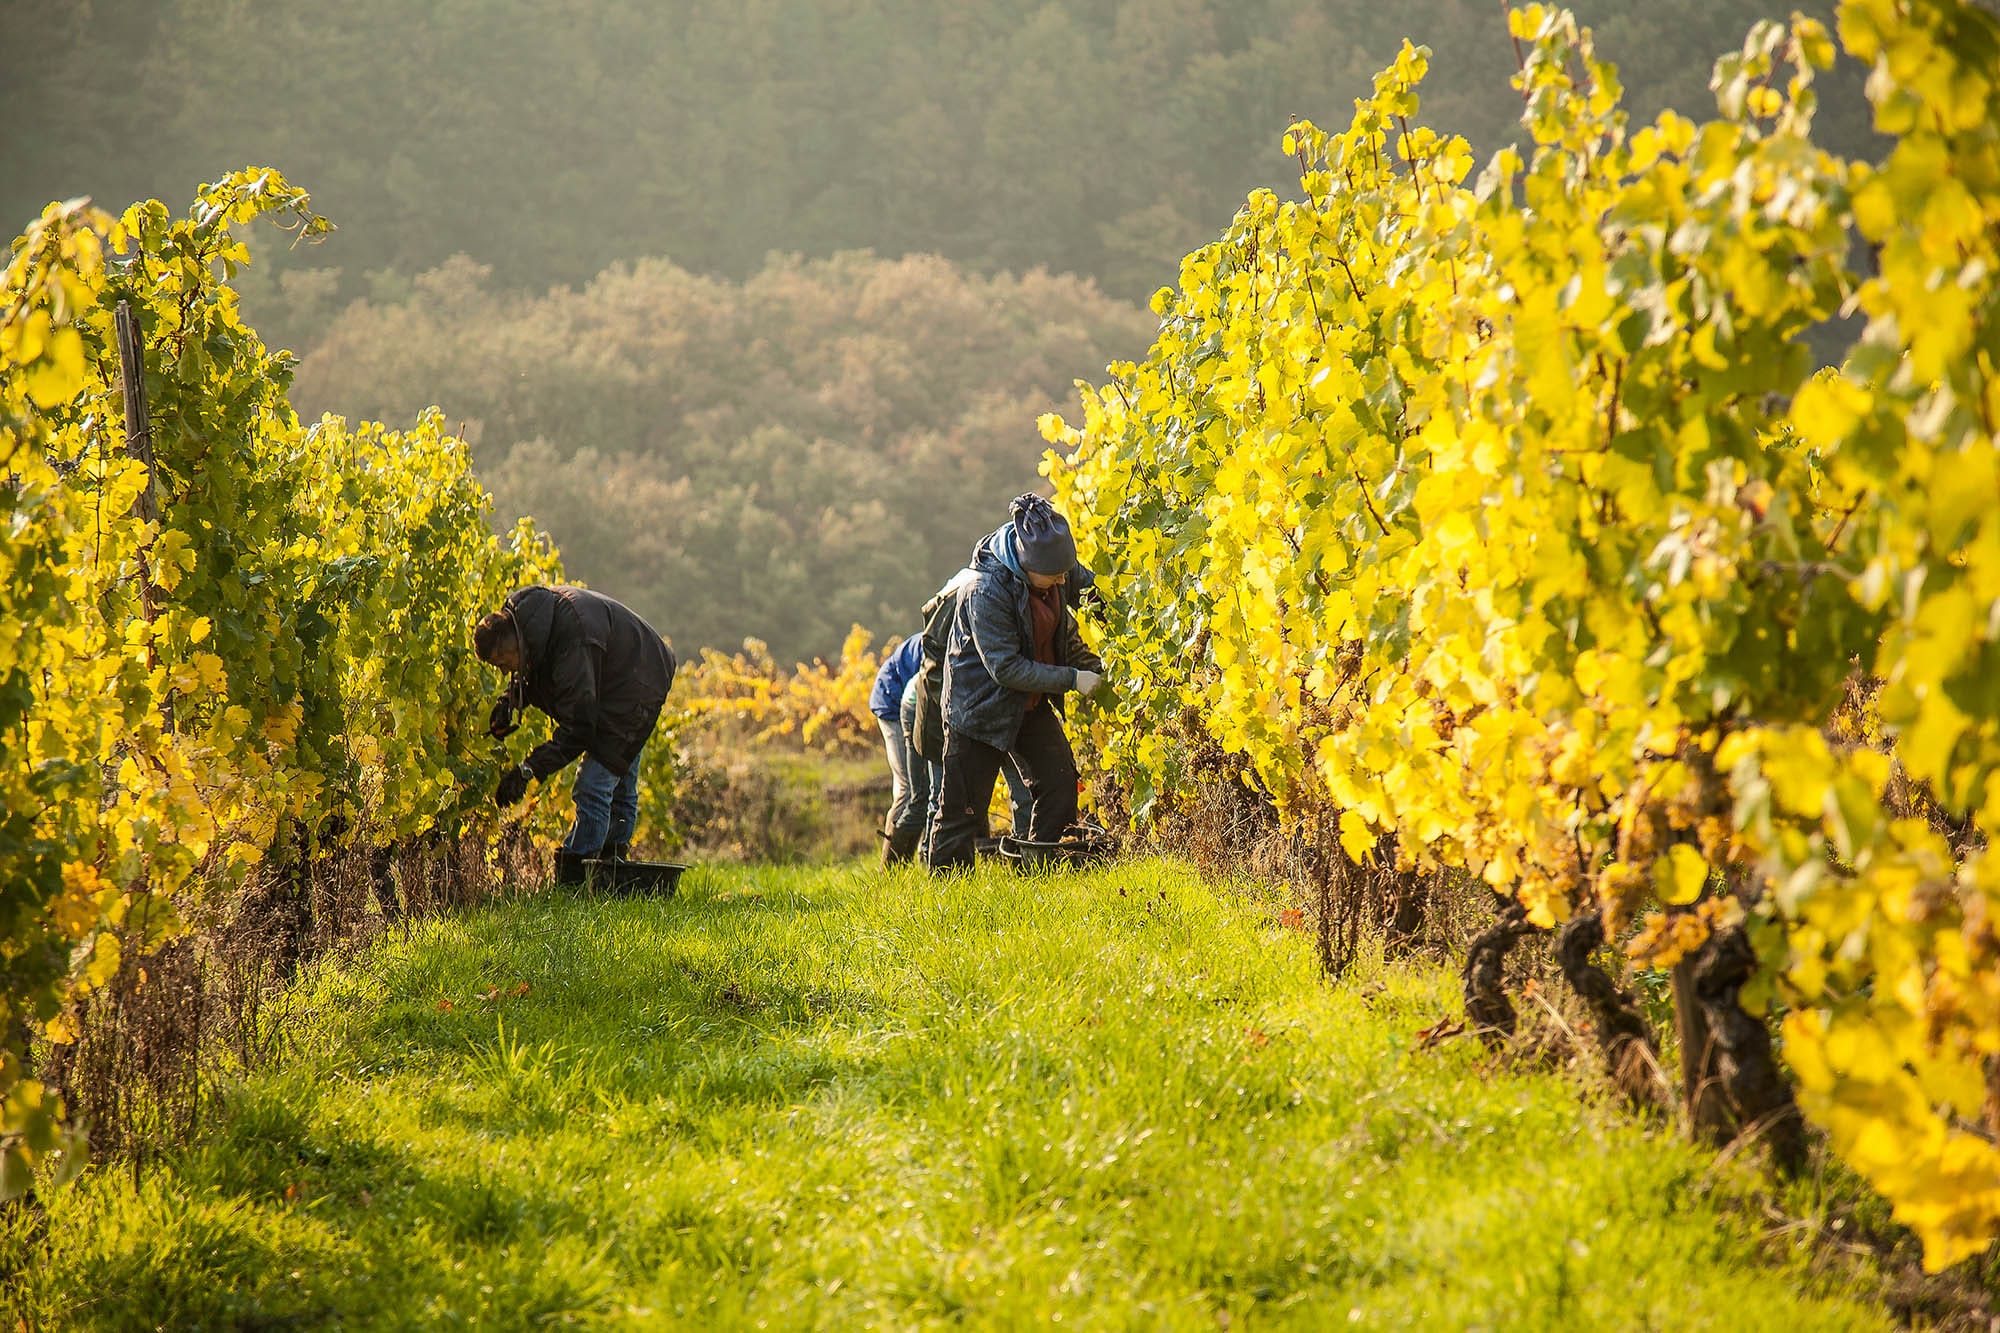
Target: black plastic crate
{"type": "Point", "coordinates": [658, 879]}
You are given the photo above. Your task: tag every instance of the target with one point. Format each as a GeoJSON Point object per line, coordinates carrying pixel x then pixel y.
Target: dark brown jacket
{"type": "Point", "coordinates": [595, 667]}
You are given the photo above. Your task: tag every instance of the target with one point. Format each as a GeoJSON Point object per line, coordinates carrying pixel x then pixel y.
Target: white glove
{"type": "Point", "coordinates": [1087, 682]}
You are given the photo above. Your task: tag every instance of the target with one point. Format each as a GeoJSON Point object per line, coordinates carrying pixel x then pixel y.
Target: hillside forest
{"type": "Point", "coordinates": [610, 237]}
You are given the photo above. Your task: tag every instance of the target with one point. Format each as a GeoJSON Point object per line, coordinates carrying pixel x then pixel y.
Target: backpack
{"type": "Point", "coordinates": [939, 612]}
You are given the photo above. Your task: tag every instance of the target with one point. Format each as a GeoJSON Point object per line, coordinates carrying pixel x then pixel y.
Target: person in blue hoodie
{"type": "Point", "coordinates": [909, 775]}
{"type": "Point", "coordinates": [1014, 655]}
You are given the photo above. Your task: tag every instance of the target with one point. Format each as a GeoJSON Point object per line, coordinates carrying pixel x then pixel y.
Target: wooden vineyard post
{"type": "Point", "coordinates": [1707, 1109]}
{"type": "Point", "coordinates": [138, 427]}
{"type": "Point", "coordinates": [138, 435]}
{"type": "Point", "coordinates": [139, 443]}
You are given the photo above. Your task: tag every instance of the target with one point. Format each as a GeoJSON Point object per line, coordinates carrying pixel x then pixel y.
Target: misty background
{"type": "Point", "coordinates": [752, 303]}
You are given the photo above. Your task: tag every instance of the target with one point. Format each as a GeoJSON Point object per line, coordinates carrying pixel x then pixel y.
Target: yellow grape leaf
{"type": "Point", "coordinates": [1679, 875]}
{"type": "Point", "coordinates": [213, 674]}
{"type": "Point", "coordinates": [104, 956]}
{"type": "Point", "coordinates": [1355, 838]}
{"type": "Point", "coordinates": [1926, 747]}
{"type": "Point", "coordinates": [32, 337]}
{"type": "Point", "coordinates": [57, 376]}
{"type": "Point", "coordinates": [1800, 770]}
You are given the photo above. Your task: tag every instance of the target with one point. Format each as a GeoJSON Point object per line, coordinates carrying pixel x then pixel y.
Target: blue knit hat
{"type": "Point", "coordinates": [1041, 537]}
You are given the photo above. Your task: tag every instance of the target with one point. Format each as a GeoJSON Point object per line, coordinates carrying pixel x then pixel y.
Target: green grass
{"type": "Point", "coordinates": [832, 1096]}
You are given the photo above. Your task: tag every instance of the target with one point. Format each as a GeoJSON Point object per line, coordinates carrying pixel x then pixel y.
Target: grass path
{"type": "Point", "coordinates": [834, 1097]}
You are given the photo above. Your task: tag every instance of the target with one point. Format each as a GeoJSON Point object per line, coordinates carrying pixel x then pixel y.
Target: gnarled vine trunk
{"type": "Point", "coordinates": [1623, 1037]}
{"type": "Point", "coordinates": [1730, 1076]}
{"type": "Point", "coordinates": [1487, 1007]}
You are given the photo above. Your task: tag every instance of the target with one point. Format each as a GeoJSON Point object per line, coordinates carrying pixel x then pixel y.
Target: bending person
{"type": "Point", "coordinates": [602, 673]}
{"type": "Point", "coordinates": [1014, 653]}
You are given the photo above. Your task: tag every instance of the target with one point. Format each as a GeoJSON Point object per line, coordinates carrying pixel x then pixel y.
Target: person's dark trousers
{"type": "Point", "coordinates": [1041, 752]}
{"type": "Point", "coordinates": [929, 778]}
{"type": "Point", "coordinates": [1017, 796]}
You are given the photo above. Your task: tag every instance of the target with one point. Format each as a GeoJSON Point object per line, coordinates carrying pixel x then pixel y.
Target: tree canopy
{"type": "Point", "coordinates": [551, 138]}
{"type": "Point", "coordinates": [785, 457]}
{"type": "Point", "coordinates": [558, 220]}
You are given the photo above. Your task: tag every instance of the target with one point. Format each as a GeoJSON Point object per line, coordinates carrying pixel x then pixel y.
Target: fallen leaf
{"type": "Point", "coordinates": [521, 989]}
{"type": "Point", "coordinates": [446, 1006]}
{"type": "Point", "coordinates": [1292, 918]}
{"type": "Point", "coordinates": [1257, 1037]}
{"type": "Point", "coordinates": [1438, 1031]}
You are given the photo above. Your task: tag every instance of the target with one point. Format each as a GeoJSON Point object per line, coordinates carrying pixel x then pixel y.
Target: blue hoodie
{"type": "Point", "coordinates": [886, 699]}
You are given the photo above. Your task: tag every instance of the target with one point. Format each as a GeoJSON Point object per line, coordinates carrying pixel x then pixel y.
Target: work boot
{"type": "Point", "coordinates": [616, 851]}
{"type": "Point", "coordinates": [899, 847]}
{"type": "Point", "coordinates": [571, 868]}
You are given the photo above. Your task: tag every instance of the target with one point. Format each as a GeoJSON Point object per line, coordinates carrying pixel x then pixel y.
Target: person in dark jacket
{"type": "Point", "coordinates": [923, 698]}
{"type": "Point", "coordinates": [923, 712]}
{"type": "Point", "coordinates": [602, 673]}
{"type": "Point", "coordinates": [1014, 654]}
{"type": "Point", "coordinates": [909, 777]}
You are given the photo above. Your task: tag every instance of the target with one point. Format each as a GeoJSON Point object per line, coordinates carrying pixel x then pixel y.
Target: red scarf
{"type": "Point", "coordinates": [1045, 609]}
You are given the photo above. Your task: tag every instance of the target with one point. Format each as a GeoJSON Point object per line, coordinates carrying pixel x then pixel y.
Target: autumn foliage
{"type": "Point", "coordinates": [228, 647]}
{"type": "Point", "coordinates": [1497, 516]}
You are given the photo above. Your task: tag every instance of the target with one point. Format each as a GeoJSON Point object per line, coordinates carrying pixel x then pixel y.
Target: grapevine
{"type": "Point", "coordinates": [1501, 523]}
{"type": "Point", "coordinates": [274, 664]}
{"type": "Point", "coordinates": [727, 705]}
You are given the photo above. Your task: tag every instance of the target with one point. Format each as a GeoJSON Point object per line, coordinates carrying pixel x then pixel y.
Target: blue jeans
{"type": "Point", "coordinates": [607, 808]}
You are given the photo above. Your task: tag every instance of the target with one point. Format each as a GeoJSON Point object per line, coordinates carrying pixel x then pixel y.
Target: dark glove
{"type": "Point", "coordinates": [502, 721]}
{"type": "Point", "coordinates": [512, 787]}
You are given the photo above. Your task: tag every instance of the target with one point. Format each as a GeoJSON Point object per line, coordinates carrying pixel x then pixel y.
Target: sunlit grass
{"type": "Point", "coordinates": [835, 1096]}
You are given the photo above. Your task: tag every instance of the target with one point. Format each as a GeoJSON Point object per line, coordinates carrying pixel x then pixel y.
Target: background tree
{"type": "Point", "coordinates": [741, 444]}
{"type": "Point", "coordinates": [1099, 137]}
{"type": "Point", "coordinates": [789, 456]}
